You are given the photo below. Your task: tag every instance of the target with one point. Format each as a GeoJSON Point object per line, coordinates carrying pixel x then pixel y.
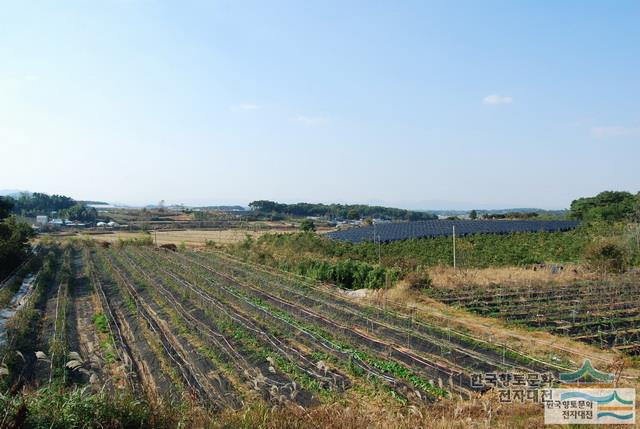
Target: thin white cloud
{"type": "Point", "coordinates": [309, 120]}
{"type": "Point", "coordinates": [604, 132]}
{"type": "Point", "coordinates": [497, 99]}
{"type": "Point", "coordinates": [246, 107]}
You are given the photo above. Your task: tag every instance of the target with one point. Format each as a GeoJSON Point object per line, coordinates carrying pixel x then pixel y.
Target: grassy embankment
{"type": "Point", "coordinates": [369, 265]}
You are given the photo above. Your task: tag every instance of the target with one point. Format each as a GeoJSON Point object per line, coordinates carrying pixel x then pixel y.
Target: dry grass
{"type": "Point", "coordinates": [190, 237]}
{"type": "Point", "coordinates": [450, 278]}
{"type": "Point", "coordinates": [481, 413]}
{"type": "Point", "coordinates": [475, 413]}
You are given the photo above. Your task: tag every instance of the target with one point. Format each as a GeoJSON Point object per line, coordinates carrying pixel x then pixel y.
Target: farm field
{"type": "Point", "coordinates": [204, 330]}
{"type": "Point", "coordinates": [407, 215]}
{"type": "Point", "coordinates": [205, 326]}
{"type": "Point", "coordinates": [605, 313]}
{"type": "Point", "coordinates": [190, 237]}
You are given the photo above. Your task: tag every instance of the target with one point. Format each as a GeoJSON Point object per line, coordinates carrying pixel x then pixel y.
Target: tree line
{"type": "Point", "coordinates": [37, 203]}
{"type": "Point", "coordinates": [333, 211]}
{"type": "Point", "coordinates": [610, 206]}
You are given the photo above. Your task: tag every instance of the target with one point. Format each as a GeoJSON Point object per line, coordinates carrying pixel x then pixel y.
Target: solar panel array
{"type": "Point", "coordinates": [439, 228]}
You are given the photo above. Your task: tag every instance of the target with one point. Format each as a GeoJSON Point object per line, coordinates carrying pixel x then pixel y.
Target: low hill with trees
{"type": "Point", "coordinates": [332, 211]}
{"type": "Point", "coordinates": [609, 206]}
{"type": "Point", "coordinates": [33, 204]}
{"type": "Point", "coordinates": [608, 239]}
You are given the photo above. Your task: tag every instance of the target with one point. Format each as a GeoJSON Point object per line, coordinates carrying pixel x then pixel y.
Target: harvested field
{"type": "Point", "coordinates": [190, 237]}
{"type": "Point", "coordinates": [448, 277]}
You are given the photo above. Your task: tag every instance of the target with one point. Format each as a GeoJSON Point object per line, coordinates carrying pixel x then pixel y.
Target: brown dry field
{"type": "Point", "coordinates": [199, 237]}
{"type": "Point", "coordinates": [448, 277]}
{"type": "Point", "coordinates": [190, 237]}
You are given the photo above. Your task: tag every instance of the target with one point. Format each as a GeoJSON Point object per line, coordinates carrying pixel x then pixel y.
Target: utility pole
{"type": "Point", "coordinates": [375, 235]}
{"type": "Point", "coordinates": [454, 247]}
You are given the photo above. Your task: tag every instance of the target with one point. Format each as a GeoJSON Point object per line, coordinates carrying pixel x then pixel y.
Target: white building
{"type": "Point", "coordinates": [42, 220]}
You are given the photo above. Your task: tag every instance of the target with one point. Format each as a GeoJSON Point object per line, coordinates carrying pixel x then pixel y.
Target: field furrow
{"type": "Point", "coordinates": [605, 313]}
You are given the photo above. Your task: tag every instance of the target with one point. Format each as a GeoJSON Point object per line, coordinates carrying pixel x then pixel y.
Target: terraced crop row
{"type": "Point", "coordinates": [606, 313]}
{"type": "Point", "coordinates": [200, 327]}
{"type": "Point", "coordinates": [255, 325]}
{"type": "Point", "coordinates": [299, 323]}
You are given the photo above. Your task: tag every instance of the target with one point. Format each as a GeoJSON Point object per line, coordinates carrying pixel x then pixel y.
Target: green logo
{"type": "Point", "coordinates": [586, 375]}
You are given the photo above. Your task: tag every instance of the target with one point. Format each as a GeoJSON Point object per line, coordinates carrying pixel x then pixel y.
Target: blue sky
{"type": "Point", "coordinates": [413, 104]}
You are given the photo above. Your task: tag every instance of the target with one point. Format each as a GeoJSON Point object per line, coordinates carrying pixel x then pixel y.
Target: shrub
{"type": "Point", "coordinates": [606, 256]}
{"type": "Point", "coordinates": [307, 225]}
{"type": "Point", "coordinates": [145, 240]}
{"type": "Point", "coordinates": [346, 273]}
{"type": "Point", "coordinates": [418, 280]}
{"type": "Point", "coordinates": [53, 407]}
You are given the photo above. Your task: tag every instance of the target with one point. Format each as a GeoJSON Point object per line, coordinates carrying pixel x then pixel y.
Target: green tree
{"type": "Point", "coordinates": [38, 203]}
{"type": "Point", "coordinates": [353, 214]}
{"type": "Point", "coordinates": [473, 214]}
{"type": "Point", "coordinates": [81, 213]}
{"type": "Point", "coordinates": [308, 225]}
{"type": "Point", "coordinates": [6, 205]}
{"type": "Point", "coordinates": [635, 215]}
{"type": "Point", "coordinates": [14, 239]}
{"type": "Point", "coordinates": [608, 206]}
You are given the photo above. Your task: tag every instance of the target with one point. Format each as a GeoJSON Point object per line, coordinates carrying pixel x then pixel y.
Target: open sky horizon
{"type": "Point", "coordinates": [413, 104]}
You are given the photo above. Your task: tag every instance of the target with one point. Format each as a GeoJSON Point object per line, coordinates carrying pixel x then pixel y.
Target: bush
{"type": "Point", "coordinates": [606, 256]}
{"type": "Point", "coordinates": [307, 225]}
{"type": "Point", "coordinates": [418, 280]}
{"type": "Point", "coordinates": [54, 407]}
{"type": "Point", "coordinates": [145, 240]}
{"type": "Point", "coordinates": [608, 206]}
{"type": "Point", "coordinates": [347, 273]}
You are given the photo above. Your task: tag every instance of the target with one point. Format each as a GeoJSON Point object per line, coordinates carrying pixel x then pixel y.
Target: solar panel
{"type": "Point", "coordinates": [439, 228]}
